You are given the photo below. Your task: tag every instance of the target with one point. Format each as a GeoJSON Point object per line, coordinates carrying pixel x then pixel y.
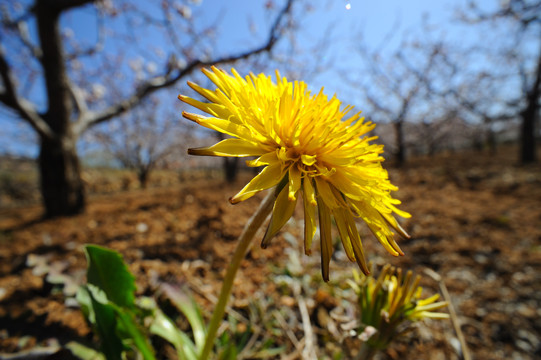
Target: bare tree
{"type": "Point", "coordinates": [53, 57]}
{"type": "Point", "coordinates": [479, 98]}
{"type": "Point", "coordinates": [139, 140]}
{"type": "Point", "coordinates": [524, 20]}
{"type": "Point", "coordinates": [397, 86]}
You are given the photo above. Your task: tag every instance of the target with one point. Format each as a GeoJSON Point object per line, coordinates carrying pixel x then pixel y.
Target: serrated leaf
{"type": "Point", "coordinates": [107, 271]}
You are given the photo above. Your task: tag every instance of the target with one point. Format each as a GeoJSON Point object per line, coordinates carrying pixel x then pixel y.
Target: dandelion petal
{"type": "Point", "coordinates": [281, 213]}
{"type": "Point", "coordinates": [267, 178]}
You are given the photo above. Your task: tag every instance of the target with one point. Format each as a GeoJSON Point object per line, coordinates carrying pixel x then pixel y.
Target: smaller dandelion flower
{"type": "Point", "coordinates": [390, 301]}
{"type": "Point", "coordinates": [309, 148]}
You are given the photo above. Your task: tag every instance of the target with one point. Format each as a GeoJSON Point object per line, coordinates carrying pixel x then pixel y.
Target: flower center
{"type": "Point", "coordinates": [306, 163]}
{"type": "Point", "coordinates": [293, 155]}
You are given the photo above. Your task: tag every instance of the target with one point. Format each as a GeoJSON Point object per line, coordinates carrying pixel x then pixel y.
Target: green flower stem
{"type": "Point", "coordinates": [244, 242]}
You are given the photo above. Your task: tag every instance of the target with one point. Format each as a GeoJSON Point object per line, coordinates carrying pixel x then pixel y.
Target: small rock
{"type": "Point", "coordinates": [463, 275]}
{"type": "Point", "coordinates": [47, 239]}
{"type": "Point", "coordinates": [480, 312]}
{"type": "Point", "coordinates": [71, 302]}
{"type": "Point", "coordinates": [524, 345]}
{"type": "Point", "coordinates": [517, 356]}
{"type": "Point", "coordinates": [141, 227]}
{"type": "Point", "coordinates": [367, 333]}
{"type": "Point", "coordinates": [529, 337]}
{"type": "Point", "coordinates": [455, 344]}
{"type": "Point", "coordinates": [526, 311]}
{"type": "Point", "coordinates": [287, 301]}
{"type": "Point", "coordinates": [481, 258]}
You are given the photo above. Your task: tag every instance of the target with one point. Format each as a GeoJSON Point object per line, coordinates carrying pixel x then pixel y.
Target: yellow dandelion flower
{"type": "Point", "coordinates": [307, 149]}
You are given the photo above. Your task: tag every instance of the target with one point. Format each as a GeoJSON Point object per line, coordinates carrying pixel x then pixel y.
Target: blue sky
{"type": "Point", "coordinates": [243, 24]}
{"type": "Point", "coordinates": [343, 22]}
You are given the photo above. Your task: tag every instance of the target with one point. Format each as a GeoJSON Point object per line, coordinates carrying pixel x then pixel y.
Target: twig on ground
{"type": "Point", "coordinates": [454, 318]}
{"type": "Point", "coordinates": [288, 331]}
{"type": "Point", "coordinates": [197, 286]}
{"type": "Point", "coordinates": [38, 353]}
{"type": "Point", "coordinates": [309, 351]}
{"type": "Point", "coordinates": [297, 354]}
{"type": "Point", "coordinates": [246, 350]}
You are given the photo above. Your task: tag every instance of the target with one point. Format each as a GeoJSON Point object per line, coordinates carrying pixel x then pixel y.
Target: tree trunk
{"type": "Point", "coordinates": [61, 184]}
{"type": "Point", "coordinates": [529, 117]}
{"type": "Point", "coordinates": [431, 148]}
{"type": "Point", "coordinates": [142, 174]}
{"type": "Point", "coordinates": [400, 155]}
{"type": "Point", "coordinates": [491, 141]}
{"type": "Point", "coordinates": [231, 169]}
{"type": "Point", "coordinates": [527, 143]}
{"type": "Point", "coordinates": [230, 165]}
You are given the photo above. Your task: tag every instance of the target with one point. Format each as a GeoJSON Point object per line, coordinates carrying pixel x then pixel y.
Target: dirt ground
{"type": "Point", "coordinates": [476, 222]}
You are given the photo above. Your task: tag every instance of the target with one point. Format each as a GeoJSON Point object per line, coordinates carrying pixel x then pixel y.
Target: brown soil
{"type": "Point", "coordinates": [476, 222]}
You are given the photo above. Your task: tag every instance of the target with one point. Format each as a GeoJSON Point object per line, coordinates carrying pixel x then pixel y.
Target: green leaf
{"type": "Point", "coordinates": [84, 300]}
{"type": "Point", "coordinates": [191, 310]}
{"type": "Point", "coordinates": [116, 326]}
{"type": "Point", "coordinates": [229, 353]}
{"type": "Point", "coordinates": [83, 352]}
{"type": "Point", "coordinates": [269, 353]}
{"type": "Point", "coordinates": [111, 289]}
{"type": "Point", "coordinates": [127, 324]}
{"type": "Point", "coordinates": [166, 329]}
{"type": "Point", "coordinates": [107, 271]}
{"type": "Point", "coordinates": [105, 322]}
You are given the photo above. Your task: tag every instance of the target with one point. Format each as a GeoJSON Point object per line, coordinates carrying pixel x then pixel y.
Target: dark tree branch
{"type": "Point", "coordinates": [19, 26]}
{"type": "Point", "coordinates": [525, 13]}
{"type": "Point", "coordinates": [78, 99]}
{"type": "Point", "coordinates": [93, 49]}
{"type": "Point", "coordinates": [63, 5]}
{"type": "Point", "coordinates": [473, 107]}
{"type": "Point", "coordinates": [378, 106]}
{"type": "Point", "coordinates": [422, 75]}
{"type": "Point", "coordinates": [12, 23]}
{"type": "Point", "coordinates": [522, 11]}
{"type": "Point", "coordinates": [21, 106]}
{"type": "Point", "coordinates": [393, 87]}
{"type": "Point", "coordinates": [171, 29]}
{"type": "Point", "coordinates": [54, 68]}
{"type": "Point", "coordinates": [22, 29]}
{"type": "Point", "coordinates": [91, 118]}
